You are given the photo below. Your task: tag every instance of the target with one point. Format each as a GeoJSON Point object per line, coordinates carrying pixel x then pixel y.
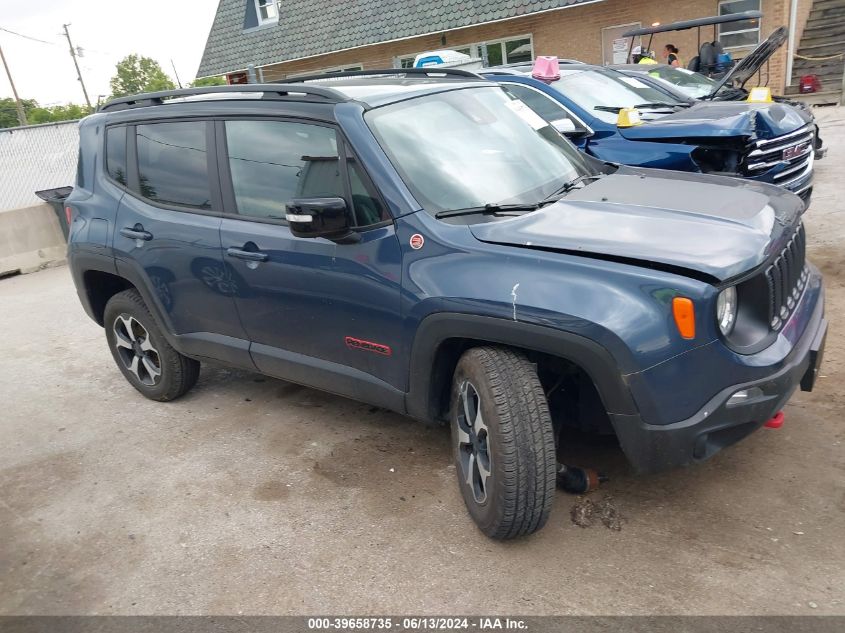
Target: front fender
{"type": "Point", "coordinates": [437, 328]}
{"type": "Point", "coordinates": [617, 149]}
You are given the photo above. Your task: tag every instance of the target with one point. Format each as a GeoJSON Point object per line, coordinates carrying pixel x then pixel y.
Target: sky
{"type": "Point", "coordinates": [107, 31]}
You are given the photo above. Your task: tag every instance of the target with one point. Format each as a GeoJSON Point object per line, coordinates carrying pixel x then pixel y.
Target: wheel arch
{"type": "Point", "coordinates": [441, 339]}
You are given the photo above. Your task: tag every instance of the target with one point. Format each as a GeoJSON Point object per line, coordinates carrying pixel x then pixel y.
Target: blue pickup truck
{"type": "Point", "coordinates": [764, 142]}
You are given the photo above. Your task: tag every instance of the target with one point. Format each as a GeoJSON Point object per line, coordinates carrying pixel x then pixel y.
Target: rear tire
{"type": "Point", "coordinates": [141, 352]}
{"type": "Point", "coordinates": [503, 442]}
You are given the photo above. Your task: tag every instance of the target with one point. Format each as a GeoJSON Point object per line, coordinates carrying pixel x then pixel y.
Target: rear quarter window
{"type": "Point", "coordinates": [115, 153]}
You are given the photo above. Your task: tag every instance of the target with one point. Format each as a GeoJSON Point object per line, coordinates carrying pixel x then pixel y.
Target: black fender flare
{"type": "Point", "coordinates": [590, 356]}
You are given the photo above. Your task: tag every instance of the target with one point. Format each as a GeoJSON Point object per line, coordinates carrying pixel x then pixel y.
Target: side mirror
{"type": "Point", "coordinates": [319, 217]}
{"type": "Point", "coordinates": [564, 126]}
{"type": "Point", "coordinates": [568, 127]}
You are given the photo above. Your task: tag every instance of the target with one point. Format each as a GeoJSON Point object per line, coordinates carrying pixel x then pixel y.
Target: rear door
{"type": "Point", "coordinates": [167, 234]}
{"type": "Point", "coordinates": [317, 312]}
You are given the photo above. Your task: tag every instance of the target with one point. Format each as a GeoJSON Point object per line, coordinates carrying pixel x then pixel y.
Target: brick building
{"type": "Point", "coordinates": [281, 39]}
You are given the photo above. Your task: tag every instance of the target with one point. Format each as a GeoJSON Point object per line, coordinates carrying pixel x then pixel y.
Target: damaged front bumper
{"type": "Point", "coordinates": [724, 419]}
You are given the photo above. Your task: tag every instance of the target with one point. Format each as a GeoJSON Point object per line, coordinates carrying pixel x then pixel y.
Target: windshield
{"type": "Point", "coordinates": [590, 88]}
{"type": "Point", "coordinates": [472, 147]}
{"type": "Point", "coordinates": [694, 84]}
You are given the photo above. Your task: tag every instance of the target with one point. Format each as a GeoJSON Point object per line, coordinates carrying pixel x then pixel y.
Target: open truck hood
{"type": "Point", "coordinates": [721, 119]}
{"type": "Point", "coordinates": [753, 62]}
{"type": "Point", "coordinates": [717, 227]}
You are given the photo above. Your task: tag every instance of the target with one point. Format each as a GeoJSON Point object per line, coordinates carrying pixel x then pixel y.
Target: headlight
{"type": "Point", "coordinates": [726, 310]}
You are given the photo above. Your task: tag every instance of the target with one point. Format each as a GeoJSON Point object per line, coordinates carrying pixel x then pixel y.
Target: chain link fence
{"type": "Point", "coordinates": [36, 157]}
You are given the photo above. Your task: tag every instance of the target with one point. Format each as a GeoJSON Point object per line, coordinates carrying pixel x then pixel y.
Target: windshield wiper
{"type": "Point", "coordinates": [643, 106]}
{"type": "Point", "coordinates": [487, 208]}
{"type": "Point", "coordinates": [567, 187]}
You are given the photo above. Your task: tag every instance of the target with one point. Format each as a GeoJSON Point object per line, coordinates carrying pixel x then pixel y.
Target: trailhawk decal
{"type": "Point", "coordinates": [368, 346]}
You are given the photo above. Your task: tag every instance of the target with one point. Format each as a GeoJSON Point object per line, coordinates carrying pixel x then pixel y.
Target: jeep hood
{"type": "Point", "coordinates": [721, 120]}
{"type": "Point", "coordinates": [717, 227]}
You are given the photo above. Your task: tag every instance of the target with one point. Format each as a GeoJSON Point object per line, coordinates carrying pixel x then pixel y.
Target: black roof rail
{"type": "Point", "coordinates": [270, 91]}
{"type": "Point", "coordinates": [429, 71]}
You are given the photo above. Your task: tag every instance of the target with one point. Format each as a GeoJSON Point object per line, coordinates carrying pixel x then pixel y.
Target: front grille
{"type": "Point", "coordinates": [786, 278]}
{"type": "Point", "coordinates": [794, 149]}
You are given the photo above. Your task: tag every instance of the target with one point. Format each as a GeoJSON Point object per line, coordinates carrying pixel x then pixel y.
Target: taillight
{"type": "Point", "coordinates": [69, 215]}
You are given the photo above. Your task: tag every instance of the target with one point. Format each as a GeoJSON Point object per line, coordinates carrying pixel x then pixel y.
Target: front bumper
{"type": "Point", "coordinates": [652, 448]}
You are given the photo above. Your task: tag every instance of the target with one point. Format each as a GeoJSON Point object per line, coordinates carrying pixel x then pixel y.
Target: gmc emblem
{"type": "Point", "coordinates": [792, 152]}
{"type": "Point", "coordinates": [368, 346]}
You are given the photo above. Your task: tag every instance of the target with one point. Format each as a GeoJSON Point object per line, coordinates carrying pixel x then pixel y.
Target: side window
{"type": "Point", "coordinates": [540, 103]}
{"type": "Point", "coordinates": [115, 153]}
{"type": "Point", "coordinates": [366, 202]}
{"type": "Point", "coordinates": [273, 162]}
{"type": "Point", "coordinates": [173, 163]}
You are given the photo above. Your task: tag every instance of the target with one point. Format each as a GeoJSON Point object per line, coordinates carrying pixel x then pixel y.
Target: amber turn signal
{"type": "Point", "coordinates": [683, 310]}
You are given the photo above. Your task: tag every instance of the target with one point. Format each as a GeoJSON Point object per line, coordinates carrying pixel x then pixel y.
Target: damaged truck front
{"type": "Point", "coordinates": [764, 142]}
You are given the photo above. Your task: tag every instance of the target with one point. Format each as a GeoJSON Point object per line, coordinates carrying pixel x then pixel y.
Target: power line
{"type": "Point", "coordinates": [28, 37]}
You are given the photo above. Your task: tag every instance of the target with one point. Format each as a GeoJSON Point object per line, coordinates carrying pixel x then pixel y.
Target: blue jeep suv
{"type": "Point", "coordinates": [424, 242]}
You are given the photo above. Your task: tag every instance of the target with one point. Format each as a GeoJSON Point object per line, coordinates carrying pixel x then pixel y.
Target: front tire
{"type": "Point", "coordinates": [141, 352]}
{"type": "Point", "coordinates": [503, 442]}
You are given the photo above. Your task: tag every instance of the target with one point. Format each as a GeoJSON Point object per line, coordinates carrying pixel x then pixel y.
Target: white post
{"type": "Point", "coordinates": [790, 49]}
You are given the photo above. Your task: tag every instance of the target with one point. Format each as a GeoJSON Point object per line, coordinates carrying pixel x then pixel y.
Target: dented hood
{"type": "Point", "coordinates": [717, 227]}
{"type": "Point", "coordinates": [722, 119]}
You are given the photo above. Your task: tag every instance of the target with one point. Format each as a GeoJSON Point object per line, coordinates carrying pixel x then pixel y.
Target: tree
{"type": "Point", "coordinates": [207, 81]}
{"type": "Point", "coordinates": [139, 74]}
{"type": "Point", "coordinates": [9, 112]}
{"type": "Point", "coordinates": [35, 114]}
{"type": "Point", "coordinates": [54, 114]}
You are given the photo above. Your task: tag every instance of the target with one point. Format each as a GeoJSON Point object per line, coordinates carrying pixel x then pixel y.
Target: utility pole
{"type": "Point", "coordinates": [21, 113]}
{"type": "Point", "coordinates": [176, 72]}
{"type": "Point", "coordinates": [76, 63]}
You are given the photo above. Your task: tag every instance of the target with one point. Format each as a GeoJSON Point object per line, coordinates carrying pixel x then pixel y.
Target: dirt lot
{"type": "Point", "coordinates": [251, 495]}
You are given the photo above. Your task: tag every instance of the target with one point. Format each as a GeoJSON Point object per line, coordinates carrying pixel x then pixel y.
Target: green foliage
{"type": "Point", "coordinates": [53, 114]}
{"type": "Point", "coordinates": [207, 81]}
{"type": "Point", "coordinates": [139, 74]}
{"type": "Point", "coordinates": [36, 114]}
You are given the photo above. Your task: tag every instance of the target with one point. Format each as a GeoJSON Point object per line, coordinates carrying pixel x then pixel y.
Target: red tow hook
{"type": "Point", "coordinates": [776, 422]}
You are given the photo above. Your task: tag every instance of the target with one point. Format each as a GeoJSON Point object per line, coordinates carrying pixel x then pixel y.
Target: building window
{"type": "Point", "coordinates": [267, 11]}
{"type": "Point", "coordinates": [495, 52]}
{"type": "Point", "coordinates": [744, 32]}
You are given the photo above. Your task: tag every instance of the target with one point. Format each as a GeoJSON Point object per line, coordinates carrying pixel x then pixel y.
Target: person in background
{"type": "Point", "coordinates": [670, 52]}
{"type": "Point", "coordinates": [639, 55]}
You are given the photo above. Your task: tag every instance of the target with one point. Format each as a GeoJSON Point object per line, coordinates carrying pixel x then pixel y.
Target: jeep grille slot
{"type": "Point", "coordinates": [786, 278]}
{"type": "Point", "coordinates": [793, 150]}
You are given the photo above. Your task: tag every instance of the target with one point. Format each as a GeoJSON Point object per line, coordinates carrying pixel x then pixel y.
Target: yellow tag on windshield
{"type": "Point", "coordinates": [760, 94]}
{"type": "Point", "coordinates": [628, 117]}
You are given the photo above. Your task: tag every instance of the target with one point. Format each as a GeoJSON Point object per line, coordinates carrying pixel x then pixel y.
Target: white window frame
{"type": "Point", "coordinates": [475, 49]}
{"type": "Point", "coordinates": [721, 27]}
{"type": "Point", "coordinates": [259, 4]}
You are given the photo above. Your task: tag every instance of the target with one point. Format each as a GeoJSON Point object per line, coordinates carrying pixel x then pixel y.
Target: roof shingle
{"type": "Point", "coordinates": [315, 27]}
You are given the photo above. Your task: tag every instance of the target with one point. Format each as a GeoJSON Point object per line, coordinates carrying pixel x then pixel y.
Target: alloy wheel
{"type": "Point", "coordinates": [473, 442]}
{"type": "Point", "coordinates": [132, 341]}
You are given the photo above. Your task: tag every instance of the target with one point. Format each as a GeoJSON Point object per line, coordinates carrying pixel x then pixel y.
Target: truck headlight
{"type": "Point", "coordinates": [726, 310]}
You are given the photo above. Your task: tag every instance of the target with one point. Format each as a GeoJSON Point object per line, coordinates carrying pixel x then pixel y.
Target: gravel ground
{"type": "Point", "coordinates": [255, 496]}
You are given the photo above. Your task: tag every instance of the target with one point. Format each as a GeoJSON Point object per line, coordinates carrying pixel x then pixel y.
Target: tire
{"type": "Point", "coordinates": [516, 445]}
{"type": "Point", "coordinates": [139, 349]}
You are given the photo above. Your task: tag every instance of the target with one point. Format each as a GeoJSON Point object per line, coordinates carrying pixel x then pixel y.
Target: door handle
{"type": "Point", "coordinates": [136, 233]}
{"type": "Point", "coordinates": [250, 256]}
